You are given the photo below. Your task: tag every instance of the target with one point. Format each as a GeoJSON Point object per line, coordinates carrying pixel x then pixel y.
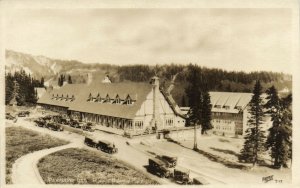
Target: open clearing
{"type": "Point", "coordinates": [21, 141]}
{"type": "Point", "coordinates": [81, 166]}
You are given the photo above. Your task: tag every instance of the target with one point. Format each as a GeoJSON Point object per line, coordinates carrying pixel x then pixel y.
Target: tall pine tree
{"type": "Point", "coordinates": [255, 136]}
{"type": "Point", "coordinates": [279, 140]}
{"type": "Point", "coordinates": [206, 113]}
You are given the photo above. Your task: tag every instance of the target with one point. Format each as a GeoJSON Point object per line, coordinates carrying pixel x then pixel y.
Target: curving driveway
{"type": "Point", "coordinates": [25, 171]}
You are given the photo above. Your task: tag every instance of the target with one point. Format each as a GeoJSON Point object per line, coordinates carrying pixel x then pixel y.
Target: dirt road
{"type": "Point", "coordinates": [126, 153]}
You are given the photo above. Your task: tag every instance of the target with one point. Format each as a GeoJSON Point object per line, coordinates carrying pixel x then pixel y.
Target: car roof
{"type": "Point", "coordinates": [157, 161]}
{"type": "Point", "coordinates": [181, 169]}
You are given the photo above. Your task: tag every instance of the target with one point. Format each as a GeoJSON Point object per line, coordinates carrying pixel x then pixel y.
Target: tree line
{"type": "Point", "coordinates": [278, 142]}
{"type": "Point", "coordinates": [21, 86]}
{"type": "Point", "coordinates": [62, 78]}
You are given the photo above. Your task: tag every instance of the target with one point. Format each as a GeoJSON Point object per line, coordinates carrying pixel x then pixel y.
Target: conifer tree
{"type": "Point", "coordinates": [69, 79]}
{"type": "Point", "coordinates": [255, 136]}
{"type": "Point", "coordinates": [206, 113]}
{"type": "Point", "coordinates": [42, 82]}
{"type": "Point", "coordinates": [279, 140]}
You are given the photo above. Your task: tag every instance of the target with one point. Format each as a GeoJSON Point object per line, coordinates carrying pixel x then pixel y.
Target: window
{"type": "Point", "coordinates": [107, 99]}
{"type": "Point", "coordinates": [117, 100]}
{"type": "Point", "coordinates": [138, 124]}
{"type": "Point", "coordinates": [98, 98]}
{"type": "Point", "coordinates": [169, 122]}
{"type": "Point", "coordinates": [90, 97]}
{"type": "Point", "coordinates": [128, 100]}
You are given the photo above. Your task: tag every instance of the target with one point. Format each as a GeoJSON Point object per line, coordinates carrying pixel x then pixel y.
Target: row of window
{"type": "Point", "coordinates": [226, 128]}
{"type": "Point", "coordinates": [222, 121]}
{"type": "Point", "coordinates": [169, 122]}
{"type": "Point", "coordinates": [226, 114]}
{"type": "Point", "coordinates": [107, 99]}
{"type": "Point", "coordinates": [63, 98]}
{"type": "Point", "coordinates": [227, 107]}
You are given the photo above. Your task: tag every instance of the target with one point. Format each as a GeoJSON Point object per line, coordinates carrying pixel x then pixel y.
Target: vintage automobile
{"type": "Point", "coordinates": [102, 145]}
{"type": "Point", "coordinates": [40, 122]}
{"type": "Point", "coordinates": [47, 117]}
{"type": "Point", "coordinates": [182, 176]}
{"type": "Point", "coordinates": [54, 126]}
{"type": "Point", "coordinates": [74, 123]}
{"type": "Point", "coordinates": [9, 116]}
{"type": "Point", "coordinates": [59, 119]}
{"type": "Point", "coordinates": [88, 127]}
{"type": "Point", "coordinates": [170, 161]}
{"type": "Point", "coordinates": [23, 113]}
{"type": "Point", "coordinates": [106, 146]}
{"type": "Point", "coordinates": [200, 181]}
{"type": "Point", "coordinates": [89, 141]}
{"type": "Point", "coordinates": [158, 167]}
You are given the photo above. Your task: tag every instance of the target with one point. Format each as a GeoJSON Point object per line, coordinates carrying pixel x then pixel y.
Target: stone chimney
{"type": "Point", "coordinates": [155, 121]}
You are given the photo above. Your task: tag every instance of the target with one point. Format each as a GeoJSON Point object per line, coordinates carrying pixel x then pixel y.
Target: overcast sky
{"type": "Point", "coordinates": [232, 39]}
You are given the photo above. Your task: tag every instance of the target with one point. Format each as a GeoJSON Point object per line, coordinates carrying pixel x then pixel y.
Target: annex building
{"type": "Point", "coordinates": [133, 107]}
{"type": "Point", "coordinates": [230, 113]}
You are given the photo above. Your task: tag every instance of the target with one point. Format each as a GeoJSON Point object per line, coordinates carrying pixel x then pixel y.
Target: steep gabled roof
{"type": "Point", "coordinates": [137, 92]}
{"type": "Point", "coordinates": [231, 102]}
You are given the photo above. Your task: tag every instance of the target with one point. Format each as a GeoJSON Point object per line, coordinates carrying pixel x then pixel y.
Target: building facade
{"type": "Point", "coordinates": [135, 108]}
{"type": "Point", "coordinates": [230, 113]}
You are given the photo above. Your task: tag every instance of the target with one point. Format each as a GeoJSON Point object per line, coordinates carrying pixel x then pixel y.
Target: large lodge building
{"type": "Point", "coordinates": [132, 107]}
{"type": "Point", "coordinates": [136, 108]}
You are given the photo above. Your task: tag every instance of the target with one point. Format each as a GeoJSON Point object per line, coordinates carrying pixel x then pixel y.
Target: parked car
{"type": "Point", "coordinates": [158, 167]}
{"type": "Point", "coordinates": [74, 123]}
{"type": "Point", "coordinates": [47, 117]}
{"type": "Point", "coordinates": [182, 176]}
{"type": "Point", "coordinates": [106, 146]}
{"type": "Point", "coordinates": [200, 181]}
{"type": "Point", "coordinates": [88, 127]}
{"type": "Point", "coordinates": [40, 122]}
{"type": "Point", "coordinates": [59, 119]}
{"type": "Point", "coordinates": [23, 113]}
{"type": "Point", "coordinates": [170, 161]}
{"type": "Point", "coordinates": [54, 126]}
{"type": "Point", "coordinates": [102, 145]}
{"type": "Point", "coordinates": [9, 116]}
{"type": "Point", "coordinates": [89, 141]}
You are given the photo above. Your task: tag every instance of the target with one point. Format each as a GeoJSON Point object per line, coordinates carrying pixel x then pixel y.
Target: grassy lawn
{"type": "Point", "coordinates": [81, 166]}
{"type": "Point", "coordinates": [21, 141]}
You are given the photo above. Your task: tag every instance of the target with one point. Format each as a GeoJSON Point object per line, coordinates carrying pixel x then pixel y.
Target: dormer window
{"type": "Point", "coordinates": [128, 100]}
{"type": "Point", "coordinates": [107, 99]}
{"type": "Point", "coordinates": [117, 100]}
{"type": "Point", "coordinates": [226, 107]}
{"type": "Point", "coordinates": [90, 98]}
{"type": "Point", "coordinates": [98, 98]}
{"type": "Point", "coordinates": [72, 99]}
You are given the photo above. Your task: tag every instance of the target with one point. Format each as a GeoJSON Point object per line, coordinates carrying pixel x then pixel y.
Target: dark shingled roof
{"type": "Point", "coordinates": [81, 92]}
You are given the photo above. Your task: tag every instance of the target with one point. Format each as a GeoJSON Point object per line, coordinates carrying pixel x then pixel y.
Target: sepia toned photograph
{"type": "Point", "coordinates": [148, 96]}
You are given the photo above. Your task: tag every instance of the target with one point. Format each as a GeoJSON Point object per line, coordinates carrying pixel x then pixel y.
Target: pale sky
{"type": "Point", "coordinates": [232, 39]}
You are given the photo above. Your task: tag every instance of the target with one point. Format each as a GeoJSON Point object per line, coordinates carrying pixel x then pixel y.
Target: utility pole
{"type": "Point", "coordinates": [195, 137]}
